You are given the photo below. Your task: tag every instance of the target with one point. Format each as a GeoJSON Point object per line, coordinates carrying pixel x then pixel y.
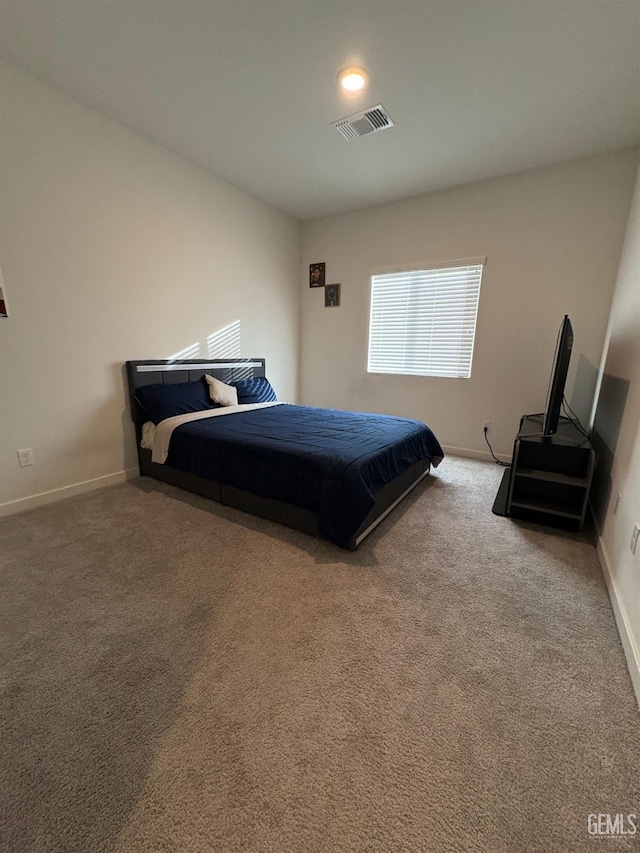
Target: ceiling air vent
{"type": "Point", "coordinates": [360, 124]}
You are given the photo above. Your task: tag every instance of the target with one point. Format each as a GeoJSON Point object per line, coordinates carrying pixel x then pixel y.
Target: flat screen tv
{"type": "Point", "coordinates": [555, 394]}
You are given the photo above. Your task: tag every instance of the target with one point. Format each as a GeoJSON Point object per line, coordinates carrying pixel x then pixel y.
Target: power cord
{"type": "Point", "coordinates": [575, 420]}
{"type": "Point", "coordinates": [495, 458]}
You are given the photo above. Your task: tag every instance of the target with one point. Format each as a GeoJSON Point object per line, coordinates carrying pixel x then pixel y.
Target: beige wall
{"type": "Point", "coordinates": [618, 420]}
{"type": "Point", "coordinates": [112, 249]}
{"type": "Point", "coordinates": [552, 238]}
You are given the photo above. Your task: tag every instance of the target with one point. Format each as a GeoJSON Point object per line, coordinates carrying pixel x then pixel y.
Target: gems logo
{"type": "Point", "coordinates": [609, 825]}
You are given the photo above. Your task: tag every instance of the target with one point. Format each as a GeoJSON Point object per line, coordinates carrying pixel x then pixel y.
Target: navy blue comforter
{"type": "Point", "coordinates": [325, 460]}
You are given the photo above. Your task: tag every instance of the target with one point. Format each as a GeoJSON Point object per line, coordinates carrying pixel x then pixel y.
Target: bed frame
{"type": "Point", "coordinates": [151, 372]}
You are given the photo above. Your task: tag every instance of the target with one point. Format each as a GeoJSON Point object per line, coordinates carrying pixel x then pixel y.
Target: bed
{"type": "Point", "coordinates": [326, 472]}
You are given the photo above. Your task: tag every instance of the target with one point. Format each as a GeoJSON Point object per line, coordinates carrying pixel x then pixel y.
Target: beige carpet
{"type": "Point", "coordinates": [178, 676]}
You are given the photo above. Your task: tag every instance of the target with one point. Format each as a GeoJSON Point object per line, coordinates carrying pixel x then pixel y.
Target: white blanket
{"type": "Point", "coordinates": [165, 428]}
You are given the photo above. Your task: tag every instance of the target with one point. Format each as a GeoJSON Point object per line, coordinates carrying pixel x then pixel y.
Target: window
{"type": "Point", "coordinates": [423, 322]}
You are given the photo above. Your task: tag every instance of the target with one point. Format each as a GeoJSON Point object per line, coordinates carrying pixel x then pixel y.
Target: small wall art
{"type": "Point", "coordinates": [332, 296]}
{"type": "Point", "coordinates": [316, 275]}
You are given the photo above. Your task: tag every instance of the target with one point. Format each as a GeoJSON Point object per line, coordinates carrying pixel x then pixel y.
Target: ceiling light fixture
{"type": "Point", "coordinates": [353, 78]}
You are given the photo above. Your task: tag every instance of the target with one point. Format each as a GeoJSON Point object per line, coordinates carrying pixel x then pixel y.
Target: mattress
{"type": "Point", "coordinates": [328, 461]}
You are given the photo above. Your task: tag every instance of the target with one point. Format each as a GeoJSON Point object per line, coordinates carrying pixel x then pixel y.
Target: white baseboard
{"type": "Point", "coordinates": [474, 454]}
{"type": "Point", "coordinates": [631, 651]}
{"type": "Point", "coordinates": [42, 498]}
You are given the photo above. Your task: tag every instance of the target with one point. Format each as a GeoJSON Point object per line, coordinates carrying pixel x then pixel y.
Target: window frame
{"type": "Point", "coordinates": [417, 268]}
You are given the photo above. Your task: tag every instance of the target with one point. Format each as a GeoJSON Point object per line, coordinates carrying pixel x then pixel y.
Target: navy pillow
{"type": "Point", "coordinates": [165, 401]}
{"type": "Point", "coordinates": [255, 390]}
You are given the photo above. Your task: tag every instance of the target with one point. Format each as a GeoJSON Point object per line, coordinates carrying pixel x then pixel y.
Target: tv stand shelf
{"type": "Point", "coordinates": [550, 476]}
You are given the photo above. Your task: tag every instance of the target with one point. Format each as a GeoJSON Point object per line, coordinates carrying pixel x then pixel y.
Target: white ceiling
{"type": "Point", "coordinates": [247, 88]}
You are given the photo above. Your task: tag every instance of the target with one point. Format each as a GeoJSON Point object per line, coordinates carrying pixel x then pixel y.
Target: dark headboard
{"type": "Point", "coordinates": [151, 372]}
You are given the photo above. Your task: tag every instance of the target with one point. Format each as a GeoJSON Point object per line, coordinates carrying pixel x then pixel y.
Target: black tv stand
{"type": "Point", "coordinates": [550, 476]}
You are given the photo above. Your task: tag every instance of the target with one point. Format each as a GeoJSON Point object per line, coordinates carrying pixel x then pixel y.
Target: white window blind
{"type": "Point", "coordinates": [423, 322]}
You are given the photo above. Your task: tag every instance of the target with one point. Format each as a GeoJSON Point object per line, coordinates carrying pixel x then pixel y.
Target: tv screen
{"type": "Point", "coordinates": [559, 371]}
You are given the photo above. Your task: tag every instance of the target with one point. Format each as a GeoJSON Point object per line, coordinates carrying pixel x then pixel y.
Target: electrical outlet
{"type": "Point", "coordinates": [617, 504]}
{"type": "Point", "coordinates": [486, 425]}
{"type": "Point", "coordinates": [25, 457]}
{"type": "Point", "coordinates": [634, 538]}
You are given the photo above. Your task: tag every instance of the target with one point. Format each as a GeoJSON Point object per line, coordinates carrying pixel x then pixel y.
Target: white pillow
{"type": "Point", "coordinates": [148, 434]}
{"type": "Point", "coordinates": [220, 392]}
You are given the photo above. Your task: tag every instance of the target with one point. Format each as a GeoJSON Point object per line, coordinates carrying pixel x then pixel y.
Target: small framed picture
{"type": "Point", "coordinates": [316, 275]}
{"type": "Point", "coordinates": [3, 305]}
{"type": "Point", "coordinates": [332, 296]}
